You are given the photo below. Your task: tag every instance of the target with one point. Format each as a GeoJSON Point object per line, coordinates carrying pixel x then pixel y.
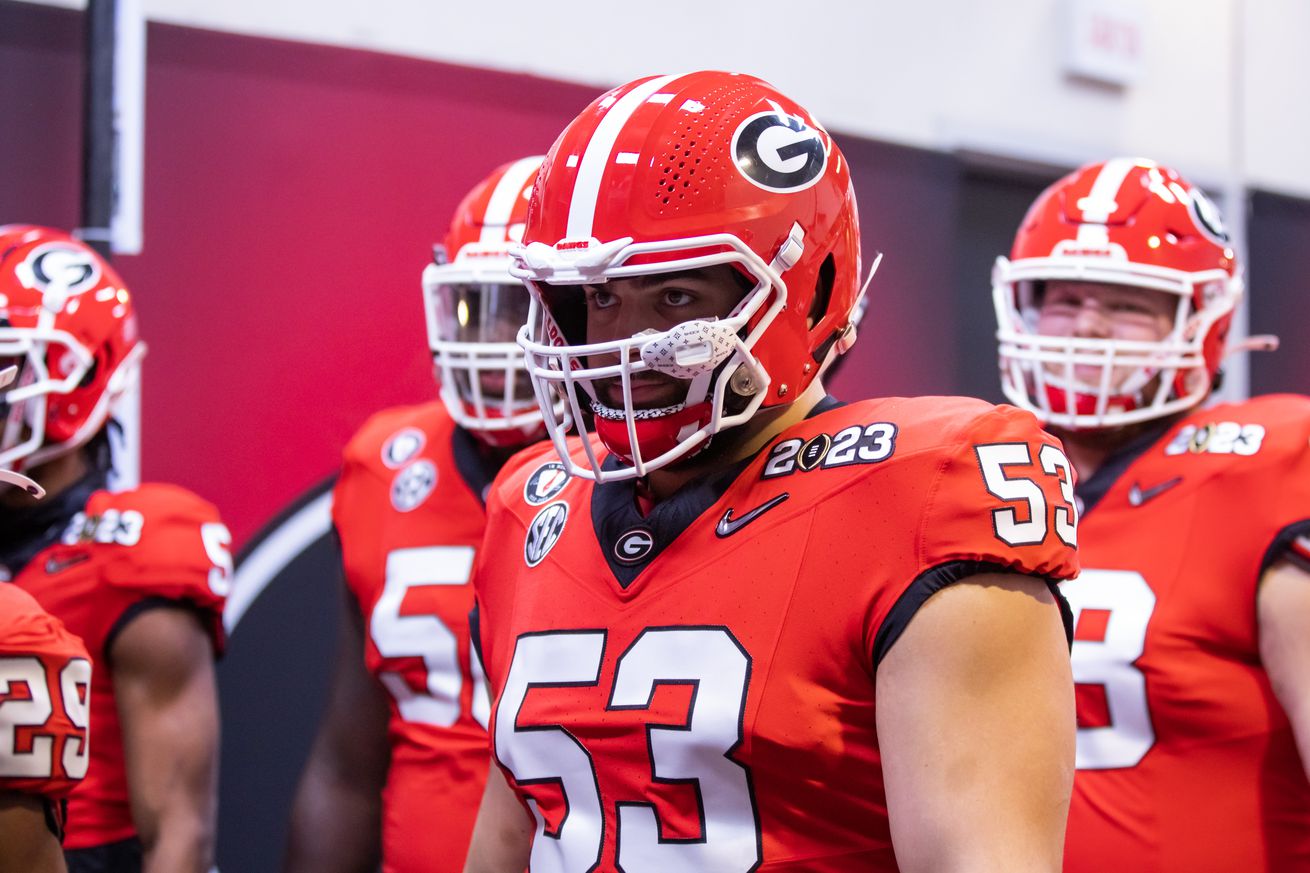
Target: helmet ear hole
{"type": "Point", "coordinates": [822, 291]}
{"type": "Point", "coordinates": [90, 377]}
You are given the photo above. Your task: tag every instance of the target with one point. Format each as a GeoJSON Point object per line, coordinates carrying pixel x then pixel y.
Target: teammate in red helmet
{"type": "Point", "coordinates": [138, 572]}
{"type": "Point", "coordinates": [1192, 642]}
{"type": "Point", "coordinates": [399, 764]}
{"type": "Point", "coordinates": [756, 628]}
{"type": "Point", "coordinates": [45, 683]}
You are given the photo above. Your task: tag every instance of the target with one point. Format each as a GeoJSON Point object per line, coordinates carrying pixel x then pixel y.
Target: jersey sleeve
{"type": "Point", "coordinates": [492, 591]}
{"type": "Point", "coordinates": [1002, 501]}
{"type": "Point", "coordinates": [45, 687]}
{"type": "Point", "coordinates": [170, 545]}
{"type": "Point", "coordinates": [1004, 498]}
{"type": "Point", "coordinates": [1283, 482]}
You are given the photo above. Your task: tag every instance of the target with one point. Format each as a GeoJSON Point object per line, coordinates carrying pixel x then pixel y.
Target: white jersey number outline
{"type": "Point", "coordinates": [35, 712]}
{"type": "Point", "coordinates": [1110, 663]}
{"type": "Point", "coordinates": [713, 661]}
{"type": "Point", "coordinates": [426, 637]}
{"type": "Point", "coordinates": [993, 459]}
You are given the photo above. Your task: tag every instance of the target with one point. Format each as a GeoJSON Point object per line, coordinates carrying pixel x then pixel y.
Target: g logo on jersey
{"type": "Point", "coordinates": [401, 446]}
{"type": "Point", "coordinates": [633, 546]}
{"type": "Point", "coordinates": [60, 267]}
{"type": "Point", "coordinates": [545, 482]}
{"type": "Point", "coordinates": [544, 532]}
{"type": "Point", "coordinates": [413, 485]}
{"type": "Point", "coordinates": [779, 152]}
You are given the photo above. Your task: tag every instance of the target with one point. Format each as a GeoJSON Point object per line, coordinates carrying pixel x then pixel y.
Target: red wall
{"type": "Point", "coordinates": [292, 195]}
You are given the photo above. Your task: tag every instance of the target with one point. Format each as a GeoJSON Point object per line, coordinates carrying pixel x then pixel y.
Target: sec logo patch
{"type": "Point", "coordinates": [544, 532]}
{"type": "Point", "coordinates": [413, 485]}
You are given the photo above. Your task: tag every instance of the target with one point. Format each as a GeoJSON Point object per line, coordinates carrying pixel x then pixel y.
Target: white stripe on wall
{"type": "Point", "coordinates": [270, 557]}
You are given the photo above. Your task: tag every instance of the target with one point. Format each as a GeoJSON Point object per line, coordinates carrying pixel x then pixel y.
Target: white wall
{"type": "Point", "coordinates": [1222, 93]}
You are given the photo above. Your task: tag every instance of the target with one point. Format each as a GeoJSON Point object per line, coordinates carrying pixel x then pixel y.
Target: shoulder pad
{"type": "Point", "coordinates": [391, 437]}
{"type": "Point", "coordinates": [26, 628]}
{"type": "Point", "coordinates": [160, 539]}
{"type": "Point", "coordinates": [43, 748]}
{"type": "Point", "coordinates": [534, 474]}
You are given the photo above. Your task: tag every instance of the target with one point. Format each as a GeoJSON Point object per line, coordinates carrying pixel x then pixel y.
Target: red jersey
{"type": "Point", "coordinates": [45, 679]}
{"type": "Point", "coordinates": [122, 554]}
{"type": "Point", "coordinates": [408, 511]}
{"type": "Point", "coordinates": [1186, 760]}
{"type": "Point", "coordinates": [694, 690]}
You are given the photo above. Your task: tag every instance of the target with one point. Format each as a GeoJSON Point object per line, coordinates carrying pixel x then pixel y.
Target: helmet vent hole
{"type": "Point", "coordinates": [822, 290]}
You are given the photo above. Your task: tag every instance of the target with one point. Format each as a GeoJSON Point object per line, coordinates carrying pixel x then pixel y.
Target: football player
{"type": "Point", "coordinates": [408, 510]}
{"type": "Point", "coordinates": [140, 574]}
{"type": "Point", "coordinates": [755, 628]}
{"type": "Point", "coordinates": [45, 679]}
{"type": "Point", "coordinates": [1192, 641]}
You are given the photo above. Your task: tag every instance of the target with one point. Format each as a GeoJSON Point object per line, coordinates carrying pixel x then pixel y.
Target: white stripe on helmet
{"type": "Point", "coordinates": [500, 207]}
{"type": "Point", "coordinates": [586, 189]}
{"type": "Point", "coordinates": [1099, 204]}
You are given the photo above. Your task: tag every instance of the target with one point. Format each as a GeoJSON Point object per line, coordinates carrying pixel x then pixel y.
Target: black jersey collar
{"type": "Point", "coordinates": [1090, 491]}
{"type": "Point", "coordinates": [26, 532]}
{"type": "Point", "coordinates": [629, 541]}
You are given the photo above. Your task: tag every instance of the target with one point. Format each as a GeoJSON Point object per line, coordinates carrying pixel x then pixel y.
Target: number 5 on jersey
{"type": "Point", "coordinates": [996, 461]}
{"type": "Point", "coordinates": [426, 636]}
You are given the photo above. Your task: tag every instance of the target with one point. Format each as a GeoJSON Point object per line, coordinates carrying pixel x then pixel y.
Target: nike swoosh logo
{"type": "Point", "coordinates": [728, 525]}
{"type": "Point", "coordinates": [1137, 495]}
{"type": "Point", "coordinates": [54, 565]}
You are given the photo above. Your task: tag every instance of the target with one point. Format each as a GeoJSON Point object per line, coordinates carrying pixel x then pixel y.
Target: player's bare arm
{"type": "Point", "coordinates": [502, 837]}
{"type": "Point", "coordinates": [27, 845]}
{"type": "Point", "coordinates": [976, 723]}
{"type": "Point", "coordinates": [336, 817]}
{"type": "Point", "coordinates": [1283, 614]}
{"type": "Point", "coordinates": [163, 673]}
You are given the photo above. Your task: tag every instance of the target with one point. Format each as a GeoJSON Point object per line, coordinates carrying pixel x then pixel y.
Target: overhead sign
{"type": "Point", "coordinates": [1104, 40]}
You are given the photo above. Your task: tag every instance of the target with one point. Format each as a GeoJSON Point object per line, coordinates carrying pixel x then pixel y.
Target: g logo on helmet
{"type": "Point", "coordinates": [1206, 217]}
{"type": "Point", "coordinates": [779, 152]}
{"type": "Point", "coordinates": [60, 267]}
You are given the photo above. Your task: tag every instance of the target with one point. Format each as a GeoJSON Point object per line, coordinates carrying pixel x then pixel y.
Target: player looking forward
{"type": "Point", "coordinates": [1192, 643]}
{"type": "Point", "coordinates": [750, 630]}
{"type": "Point", "coordinates": [140, 573]}
{"type": "Point", "coordinates": [408, 510]}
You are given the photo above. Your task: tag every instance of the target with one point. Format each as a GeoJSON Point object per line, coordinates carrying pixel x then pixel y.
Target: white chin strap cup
{"type": "Point", "coordinates": [21, 481]}
{"type": "Point", "coordinates": [690, 349]}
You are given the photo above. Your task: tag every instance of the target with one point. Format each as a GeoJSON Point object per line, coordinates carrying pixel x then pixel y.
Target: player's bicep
{"type": "Point", "coordinates": [975, 719]}
{"type": "Point", "coordinates": [27, 844]}
{"type": "Point", "coordinates": [166, 694]}
{"type": "Point", "coordinates": [1283, 611]}
{"type": "Point", "coordinates": [352, 742]}
{"type": "Point", "coordinates": [502, 836]}
{"type": "Point", "coordinates": [336, 815]}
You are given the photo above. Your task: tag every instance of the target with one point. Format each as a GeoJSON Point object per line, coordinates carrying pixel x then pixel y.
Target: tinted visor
{"type": "Point", "coordinates": [480, 312]}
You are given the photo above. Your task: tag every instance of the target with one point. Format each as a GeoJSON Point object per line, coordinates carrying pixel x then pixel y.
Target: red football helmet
{"type": "Point", "coordinates": [1132, 222]}
{"type": "Point", "coordinates": [475, 308]}
{"type": "Point", "coordinates": [673, 173]}
{"type": "Point", "coordinates": [67, 323]}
